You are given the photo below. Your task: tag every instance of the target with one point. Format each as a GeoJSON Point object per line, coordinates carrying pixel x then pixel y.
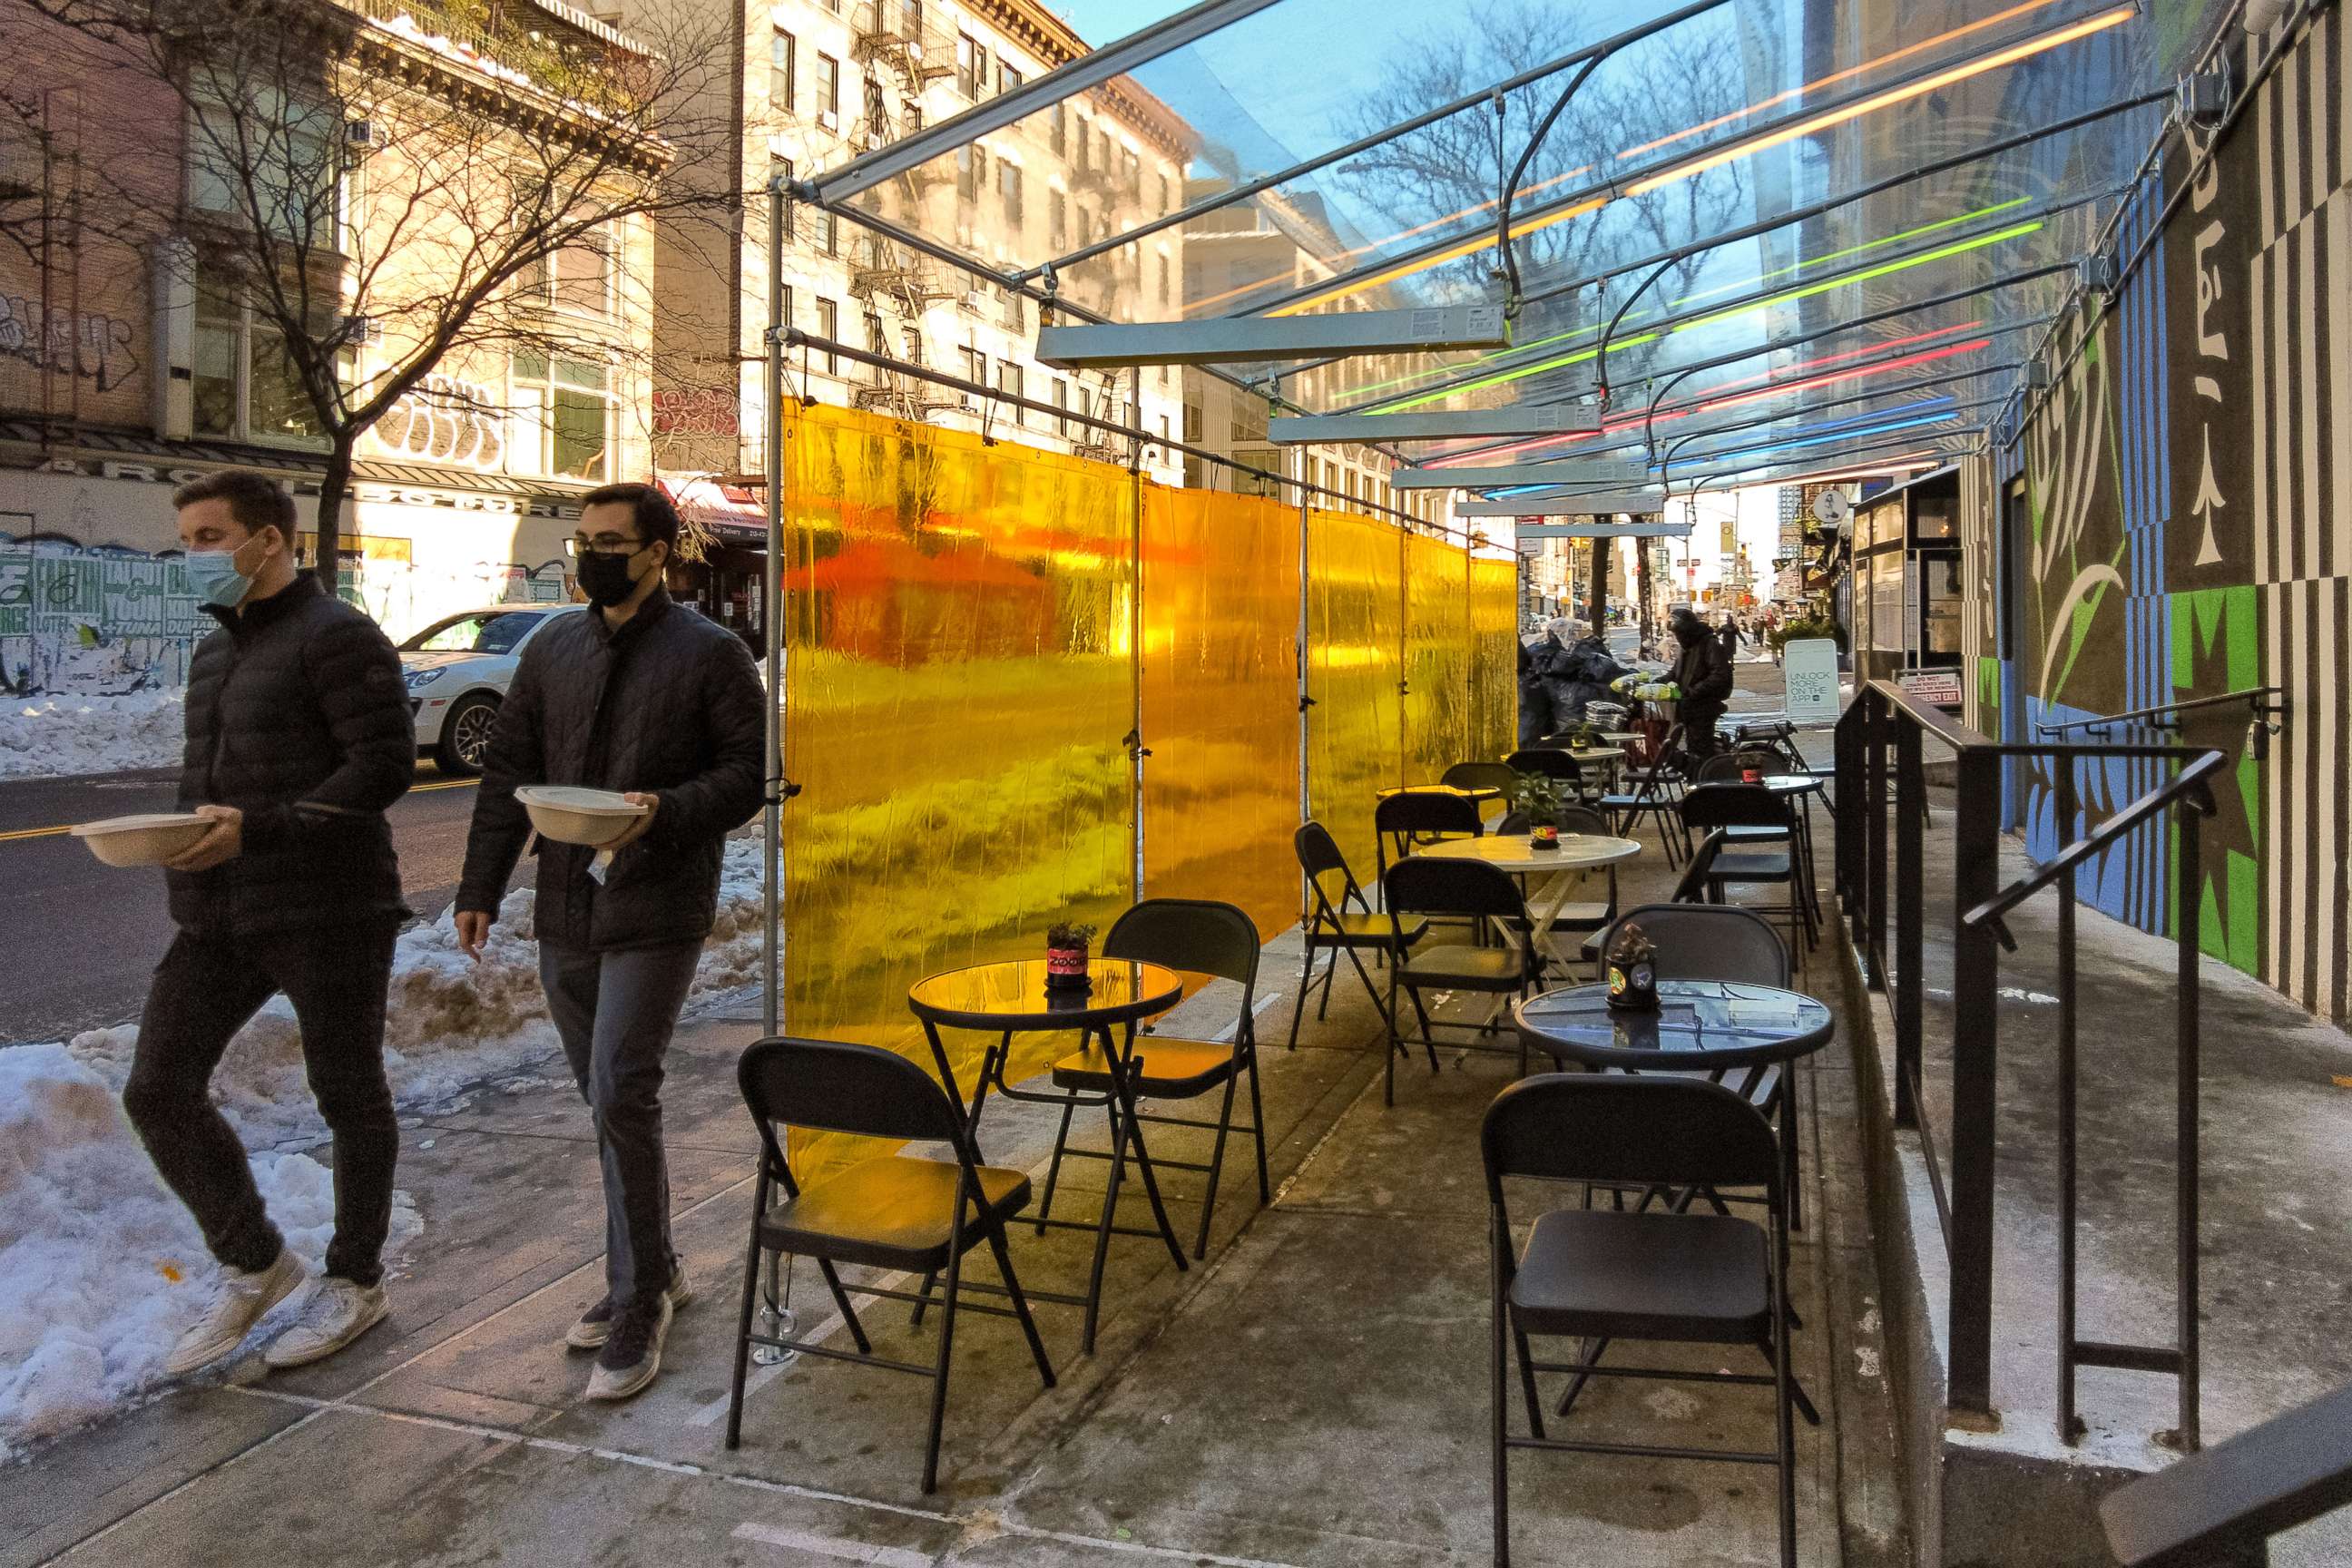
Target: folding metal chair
{"type": "Point", "coordinates": [1349, 927]}
{"type": "Point", "coordinates": [1403, 822]}
{"type": "Point", "coordinates": [1487, 899]}
{"type": "Point", "coordinates": [1606, 1274]}
{"type": "Point", "coordinates": [1480, 775]}
{"type": "Point", "coordinates": [1657, 788]}
{"type": "Point", "coordinates": [892, 1212]}
{"type": "Point", "coordinates": [1735, 806]}
{"type": "Point", "coordinates": [1200, 937]}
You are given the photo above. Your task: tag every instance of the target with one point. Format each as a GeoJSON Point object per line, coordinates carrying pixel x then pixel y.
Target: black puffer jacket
{"type": "Point", "coordinates": [670, 705]}
{"type": "Point", "coordinates": [297, 717]}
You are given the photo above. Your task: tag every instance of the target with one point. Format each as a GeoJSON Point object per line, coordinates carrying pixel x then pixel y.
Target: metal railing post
{"type": "Point", "coordinates": [1910, 915]}
{"type": "Point", "coordinates": [2070, 1429]}
{"type": "Point", "coordinates": [1874, 947]}
{"type": "Point", "coordinates": [1976, 968]}
{"type": "Point", "coordinates": [2186, 1161]}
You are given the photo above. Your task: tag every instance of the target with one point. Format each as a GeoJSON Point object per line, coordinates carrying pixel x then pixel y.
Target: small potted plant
{"type": "Point", "coordinates": [1539, 797]}
{"type": "Point", "coordinates": [1066, 956]}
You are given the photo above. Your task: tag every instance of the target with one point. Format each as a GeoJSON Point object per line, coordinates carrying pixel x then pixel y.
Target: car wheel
{"type": "Point", "coordinates": [465, 742]}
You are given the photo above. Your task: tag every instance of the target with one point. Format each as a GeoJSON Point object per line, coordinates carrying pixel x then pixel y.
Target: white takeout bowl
{"type": "Point", "coordinates": [148, 840]}
{"type": "Point", "coordinates": [572, 815]}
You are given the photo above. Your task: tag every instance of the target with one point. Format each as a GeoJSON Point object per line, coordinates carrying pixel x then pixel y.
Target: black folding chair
{"type": "Point", "coordinates": [1480, 775]}
{"type": "Point", "coordinates": [1735, 806]}
{"type": "Point", "coordinates": [1405, 821]}
{"type": "Point", "coordinates": [1459, 889]}
{"type": "Point", "coordinates": [1604, 1274]}
{"type": "Point", "coordinates": [1349, 927]}
{"type": "Point", "coordinates": [1200, 937]}
{"type": "Point", "coordinates": [892, 1212]}
{"type": "Point", "coordinates": [1656, 788]}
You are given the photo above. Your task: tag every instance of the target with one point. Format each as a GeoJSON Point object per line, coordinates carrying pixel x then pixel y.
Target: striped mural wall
{"type": "Point", "coordinates": [2302, 369]}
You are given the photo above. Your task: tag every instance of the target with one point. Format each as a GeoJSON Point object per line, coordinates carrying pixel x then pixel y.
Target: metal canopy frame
{"type": "Point", "coordinates": [833, 191]}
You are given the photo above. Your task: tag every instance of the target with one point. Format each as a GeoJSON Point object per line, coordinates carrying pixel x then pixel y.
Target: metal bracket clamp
{"type": "Point", "coordinates": [780, 791]}
{"type": "Point", "coordinates": [1135, 750]}
{"type": "Point", "coordinates": [1304, 703]}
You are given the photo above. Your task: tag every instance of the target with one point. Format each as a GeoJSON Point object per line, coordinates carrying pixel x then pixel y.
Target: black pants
{"type": "Point", "coordinates": [1698, 718]}
{"type": "Point", "coordinates": [205, 989]}
{"type": "Point", "coordinates": [615, 1012]}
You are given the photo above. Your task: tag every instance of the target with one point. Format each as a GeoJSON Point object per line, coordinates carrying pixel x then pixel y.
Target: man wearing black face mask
{"type": "Point", "coordinates": [644, 697]}
{"type": "Point", "coordinates": [1704, 675]}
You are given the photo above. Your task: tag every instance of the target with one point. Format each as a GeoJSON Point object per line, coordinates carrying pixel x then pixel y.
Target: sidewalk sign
{"type": "Point", "coordinates": [1808, 673]}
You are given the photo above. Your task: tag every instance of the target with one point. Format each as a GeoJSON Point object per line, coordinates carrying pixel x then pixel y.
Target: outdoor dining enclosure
{"type": "Point", "coordinates": [1021, 688]}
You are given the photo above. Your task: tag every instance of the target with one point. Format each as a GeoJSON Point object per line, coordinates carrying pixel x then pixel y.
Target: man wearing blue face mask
{"type": "Point", "coordinates": [300, 737]}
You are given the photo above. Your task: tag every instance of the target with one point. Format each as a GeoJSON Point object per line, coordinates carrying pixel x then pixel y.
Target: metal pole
{"type": "Point", "coordinates": [1305, 695]}
{"type": "Point", "coordinates": [2189, 1433]}
{"type": "Point", "coordinates": [1975, 967]}
{"type": "Point", "coordinates": [1910, 915]}
{"type": "Point", "coordinates": [2070, 1427]}
{"type": "Point", "coordinates": [772, 824]}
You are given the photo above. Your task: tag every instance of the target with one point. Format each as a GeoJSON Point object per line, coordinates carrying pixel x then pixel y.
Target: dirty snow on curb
{"type": "Point", "coordinates": [44, 737]}
{"type": "Point", "coordinates": [99, 1266]}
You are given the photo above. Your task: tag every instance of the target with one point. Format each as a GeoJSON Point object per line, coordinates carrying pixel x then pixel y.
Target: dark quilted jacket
{"type": "Point", "coordinates": [670, 704]}
{"type": "Point", "coordinates": [298, 718]}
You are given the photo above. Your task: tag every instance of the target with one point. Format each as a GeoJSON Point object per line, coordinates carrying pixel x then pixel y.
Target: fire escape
{"type": "Point", "coordinates": [880, 273]}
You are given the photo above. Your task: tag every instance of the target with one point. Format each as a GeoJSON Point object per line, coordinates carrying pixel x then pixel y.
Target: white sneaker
{"type": "Point", "coordinates": [633, 1355]}
{"type": "Point", "coordinates": [595, 1324]}
{"type": "Point", "coordinates": [339, 1312]}
{"type": "Point", "coordinates": [244, 1298]}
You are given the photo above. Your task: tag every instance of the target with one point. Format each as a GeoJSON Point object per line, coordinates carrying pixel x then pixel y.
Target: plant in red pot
{"type": "Point", "coordinates": [1066, 956]}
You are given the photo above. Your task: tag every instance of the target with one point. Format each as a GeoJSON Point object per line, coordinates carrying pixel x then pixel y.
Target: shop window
{"type": "Point", "coordinates": [246, 386]}
{"type": "Point", "coordinates": [568, 403]}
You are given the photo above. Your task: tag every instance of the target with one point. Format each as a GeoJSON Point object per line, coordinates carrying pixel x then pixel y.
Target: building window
{"type": "Point", "coordinates": [877, 109]}
{"type": "Point", "coordinates": [1057, 217]}
{"type": "Point", "coordinates": [975, 365]}
{"type": "Point", "coordinates": [1008, 186]}
{"type": "Point", "coordinates": [579, 277]}
{"type": "Point", "coordinates": [783, 67]}
{"type": "Point", "coordinates": [914, 336]}
{"type": "Point", "coordinates": [246, 383]}
{"type": "Point", "coordinates": [1061, 408]}
{"type": "Point", "coordinates": [1008, 75]}
{"type": "Point", "coordinates": [828, 86]}
{"type": "Point", "coordinates": [971, 165]}
{"type": "Point", "coordinates": [877, 340]}
{"type": "Point", "coordinates": [1059, 131]}
{"type": "Point", "coordinates": [910, 14]}
{"type": "Point", "coordinates": [1008, 381]}
{"type": "Point", "coordinates": [273, 162]}
{"type": "Point", "coordinates": [1167, 282]}
{"type": "Point", "coordinates": [831, 233]}
{"type": "Point", "coordinates": [971, 63]}
{"type": "Point", "coordinates": [569, 403]}
{"type": "Point", "coordinates": [828, 327]}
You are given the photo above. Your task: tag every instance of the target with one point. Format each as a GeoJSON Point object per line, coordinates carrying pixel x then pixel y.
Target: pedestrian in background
{"type": "Point", "coordinates": [647, 698]}
{"type": "Point", "coordinates": [298, 739]}
{"type": "Point", "coordinates": [1703, 675]}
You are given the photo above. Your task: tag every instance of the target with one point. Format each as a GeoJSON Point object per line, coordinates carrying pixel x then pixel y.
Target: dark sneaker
{"type": "Point", "coordinates": [633, 1355]}
{"type": "Point", "coordinates": [595, 1324]}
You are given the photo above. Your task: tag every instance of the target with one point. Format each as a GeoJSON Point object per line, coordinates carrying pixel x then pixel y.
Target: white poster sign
{"type": "Point", "coordinates": [1809, 675]}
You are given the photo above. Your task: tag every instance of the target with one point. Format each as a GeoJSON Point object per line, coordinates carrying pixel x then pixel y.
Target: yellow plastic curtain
{"type": "Point", "coordinates": [1221, 700]}
{"type": "Point", "coordinates": [1355, 664]}
{"type": "Point", "coordinates": [974, 631]}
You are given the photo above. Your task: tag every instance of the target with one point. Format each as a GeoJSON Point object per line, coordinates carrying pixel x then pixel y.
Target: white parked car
{"type": "Point", "coordinates": [458, 669]}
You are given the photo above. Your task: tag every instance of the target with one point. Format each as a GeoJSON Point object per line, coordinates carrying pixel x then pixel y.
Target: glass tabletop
{"type": "Point", "coordinates": [1013, 995]}
{"type": "Point", "coordinates": [1699, 1024]}
{"type": "Point", "coordinates": [1790, 784]}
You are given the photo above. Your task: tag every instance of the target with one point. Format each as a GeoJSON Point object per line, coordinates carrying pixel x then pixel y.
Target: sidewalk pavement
{"type": "Point", "coordinates": [1313, 1393]}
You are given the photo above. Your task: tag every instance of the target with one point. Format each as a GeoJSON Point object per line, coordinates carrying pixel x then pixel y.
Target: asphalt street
{"type": "Point", "coordinates": [83, 937]}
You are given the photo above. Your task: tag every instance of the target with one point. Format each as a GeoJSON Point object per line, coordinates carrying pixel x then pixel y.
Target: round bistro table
{"type": "Point", "coordinates": [1010, 998]}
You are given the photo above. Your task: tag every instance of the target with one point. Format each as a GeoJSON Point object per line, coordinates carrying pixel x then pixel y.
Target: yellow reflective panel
{"type": "Point", "coordinates": [1437, 663]}
{"type": "Point", "coordinates": [959, 678]}
{"type": "Point", "coordinates": [1495, 657]}
{"type": "Point", "coordinates": [1221, 700]}
{"type": "Point", "coordinates": [1355, 643]}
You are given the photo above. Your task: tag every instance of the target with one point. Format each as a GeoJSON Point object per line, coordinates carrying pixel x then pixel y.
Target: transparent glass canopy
{"type": "Point", "coordinates": [1748, 222]}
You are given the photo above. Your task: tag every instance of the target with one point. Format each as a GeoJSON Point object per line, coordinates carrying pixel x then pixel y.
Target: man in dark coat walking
{"type": "Point", "coordinates": [1703, 673]}
{"type": "Point", "coordinates": [299, 738]}
{"type": "Point", "coordinates": [645, 697]}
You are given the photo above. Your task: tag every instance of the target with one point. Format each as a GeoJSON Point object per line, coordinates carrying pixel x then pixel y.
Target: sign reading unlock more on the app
{"type": "Point", "coordinates": [1809, 676]}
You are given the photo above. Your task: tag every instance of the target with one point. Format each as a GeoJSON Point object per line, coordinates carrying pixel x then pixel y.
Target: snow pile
{"type": "Point", "coordinates": [99, 1266]}
{"type": "Point", "coordinates": [46, 736]}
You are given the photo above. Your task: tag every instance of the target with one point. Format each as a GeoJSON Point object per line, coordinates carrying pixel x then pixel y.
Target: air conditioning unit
{"type": "Point", "coordinates": [874, 140]}
{"type": "Point", "coordinates": [362, 329]}
{"type": "Point", "coordinates": [827, 120]}
{"type": "Point", "coordinates": [362, 135]}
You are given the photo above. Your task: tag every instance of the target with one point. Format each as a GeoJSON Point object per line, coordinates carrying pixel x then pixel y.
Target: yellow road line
{"type": "Point", "coordinates": [69, 828]}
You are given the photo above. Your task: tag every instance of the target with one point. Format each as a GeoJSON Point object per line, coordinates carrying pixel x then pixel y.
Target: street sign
{"type": "Point", "coordinates": [1808, 678]}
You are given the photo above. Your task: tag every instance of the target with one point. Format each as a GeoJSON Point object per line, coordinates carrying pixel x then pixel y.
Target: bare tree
{"type": "Point", "coordinates": [392, 200]}
{"type": "Point", "coordinates": [1456, 168]}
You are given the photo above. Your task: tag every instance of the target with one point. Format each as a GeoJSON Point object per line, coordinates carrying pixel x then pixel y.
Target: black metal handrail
{"type": "Point", "coordinates": [2098, 723]}
{"type": "Point", "coordinates": [1881, 739]}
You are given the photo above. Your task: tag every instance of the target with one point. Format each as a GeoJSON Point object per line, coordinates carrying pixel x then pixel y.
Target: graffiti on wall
{"type": "Point", "coordinates": [92, 345]}
{"type": "Point", "coordinates": [445, 420]}
{"type": "Point", "coordinates": [96, 621]}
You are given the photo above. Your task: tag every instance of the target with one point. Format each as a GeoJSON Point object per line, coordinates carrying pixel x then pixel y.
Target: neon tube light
{"type": "Point", "coordinates": [1808, 127]}
{"type": "Point", "coordinates": [1757, 107]}
{"type": "Point", "coordinates": [1838, 435]}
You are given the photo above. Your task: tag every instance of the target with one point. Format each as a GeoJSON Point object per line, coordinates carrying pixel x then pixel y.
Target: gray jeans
{"type": "Point", "coordinates": [615, 1012]}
